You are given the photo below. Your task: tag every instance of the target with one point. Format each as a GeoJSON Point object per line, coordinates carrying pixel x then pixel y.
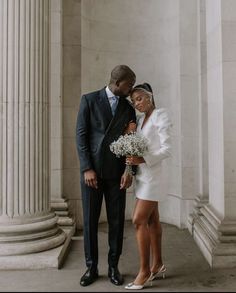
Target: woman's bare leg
{"type": "Point", "coordinates": [155, 232]}
{"type": "Point", "coordinates": [142, 212]}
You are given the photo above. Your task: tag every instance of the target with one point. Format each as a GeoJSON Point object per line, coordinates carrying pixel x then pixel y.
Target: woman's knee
{"type": "Point", "coordinates": [139, 221]}
{"type": "Point", "coordinates": [154, 223]}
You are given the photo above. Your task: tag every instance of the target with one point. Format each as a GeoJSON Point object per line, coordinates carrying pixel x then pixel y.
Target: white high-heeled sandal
{"type": "Point", "coordinates": [161, 271]}
{"type": "Point", "coordinates": [132, 286]}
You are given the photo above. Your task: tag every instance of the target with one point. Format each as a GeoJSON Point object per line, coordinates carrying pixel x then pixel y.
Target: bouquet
{"type": "Point", "coordinates": [131, 144]}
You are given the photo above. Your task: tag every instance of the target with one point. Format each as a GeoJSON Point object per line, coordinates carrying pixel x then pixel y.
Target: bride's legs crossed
{"type": "Point", "coordinates": [142, 212]}
{"type": "Point", "coordinates": [155, 230]}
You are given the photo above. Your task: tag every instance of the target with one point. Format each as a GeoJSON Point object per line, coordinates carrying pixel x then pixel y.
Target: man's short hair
{"type": "Point", "coordinates": [122, 72]}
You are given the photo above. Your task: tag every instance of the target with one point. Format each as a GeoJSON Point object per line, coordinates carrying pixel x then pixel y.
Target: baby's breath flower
{"type": "Point", "coordinates": [132, 144]}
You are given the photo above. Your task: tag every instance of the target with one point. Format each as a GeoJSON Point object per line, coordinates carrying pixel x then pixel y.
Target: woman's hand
{"type": "Point", "coordinates": [133, 160]}
{"type": "Point", "coordinates": [126, 181]}
{"type": "Point", "coordinates": [130, 128]}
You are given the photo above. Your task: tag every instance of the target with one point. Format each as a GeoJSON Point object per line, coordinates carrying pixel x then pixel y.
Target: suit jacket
{"type": "Point", "coordinates": [96, 129]}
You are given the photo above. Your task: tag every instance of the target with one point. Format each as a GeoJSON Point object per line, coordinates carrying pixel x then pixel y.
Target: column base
{"type": "Point", "coordinates": [42, 260]}
{"type": "Point", "coordinates": [60, 207]}
{"type": "Point", "coordinates": [53, 258]}
{"type": "Point", "coordinates": [199, 202]}
{"type": "Point", "coordinates": [27, 235]}
{"type": "Point", "coordinates": [215, 238]}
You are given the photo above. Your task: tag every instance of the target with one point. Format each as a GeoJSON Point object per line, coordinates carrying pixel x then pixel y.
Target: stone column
{"type": "Point", "coordinates": [215, 228]}
{"type": "Point", "coordinates": [59, 203]}
{"type": "Point", "coordinates": [203, 190]}
{"type": "Point", "coordinates": [72, 68]}
{"type": "Point", "coordinates": [186, 114]}
{"type": "Point", "coordinates": [26, 223]}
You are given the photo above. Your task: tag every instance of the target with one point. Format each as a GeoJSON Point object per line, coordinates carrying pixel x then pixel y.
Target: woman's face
{"type": "Point", "coordinates": [141, 101]}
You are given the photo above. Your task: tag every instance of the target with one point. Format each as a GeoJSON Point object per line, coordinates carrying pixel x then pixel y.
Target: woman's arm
{"type": "Point", "coordinates": [163, 128]}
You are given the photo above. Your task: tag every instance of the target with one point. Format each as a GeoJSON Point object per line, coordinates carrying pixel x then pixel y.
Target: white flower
{"type": "Point", "coordinates": [132, 144]}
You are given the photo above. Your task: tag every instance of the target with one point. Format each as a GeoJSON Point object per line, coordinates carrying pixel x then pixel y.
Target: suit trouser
{"type": "Point", "coordinates": [115, 200]}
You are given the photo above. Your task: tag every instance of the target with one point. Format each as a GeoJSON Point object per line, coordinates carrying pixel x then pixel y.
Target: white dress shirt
{"type": "Point", "coordinates": [110, 95]}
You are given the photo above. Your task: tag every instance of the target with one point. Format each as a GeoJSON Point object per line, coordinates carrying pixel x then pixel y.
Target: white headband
{"type": "Point", "coordinates": [144, 90]}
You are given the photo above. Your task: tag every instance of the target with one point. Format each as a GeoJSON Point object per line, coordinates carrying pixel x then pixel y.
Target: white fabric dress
{"type": "Point", "coordinates": [148, 179]}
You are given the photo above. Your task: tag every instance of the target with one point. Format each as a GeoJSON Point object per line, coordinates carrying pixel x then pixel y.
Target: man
{"type": "Point", "coordinates": [103, 116]}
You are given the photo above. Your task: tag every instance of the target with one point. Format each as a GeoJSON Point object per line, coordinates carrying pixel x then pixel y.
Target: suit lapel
{"type": "Point", "coordinates": [105, 107]}
{"type": "Point", "coordinates": [119, 110]}
{"type": "Point", "coordinates": [109, 119]}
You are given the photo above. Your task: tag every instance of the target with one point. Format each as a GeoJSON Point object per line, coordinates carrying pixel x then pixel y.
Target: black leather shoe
{"type": "Point", "coordinates": [115, 276]}
{"type": "Point", "coordinates": [89, 277]}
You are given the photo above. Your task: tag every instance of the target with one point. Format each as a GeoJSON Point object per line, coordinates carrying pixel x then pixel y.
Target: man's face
{"type": "Point", "coordinates": [124, 87]}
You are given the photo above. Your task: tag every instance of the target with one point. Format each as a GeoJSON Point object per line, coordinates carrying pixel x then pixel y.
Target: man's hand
{"type": "Point", "coordinates": [126, 181]}
{"type": "Point", "coordinates": [90, 178]}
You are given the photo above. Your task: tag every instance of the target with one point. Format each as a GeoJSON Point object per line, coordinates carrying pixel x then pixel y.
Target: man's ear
{"type": "Point", "coordinates": [118, 82]}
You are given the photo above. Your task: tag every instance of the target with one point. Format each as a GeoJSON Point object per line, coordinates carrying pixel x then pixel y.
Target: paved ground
{"type": "Point", "coordinates": [187, 270]}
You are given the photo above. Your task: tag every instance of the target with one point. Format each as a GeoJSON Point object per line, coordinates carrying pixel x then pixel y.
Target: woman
{"type": "Point", "coordinates": [155, 126]}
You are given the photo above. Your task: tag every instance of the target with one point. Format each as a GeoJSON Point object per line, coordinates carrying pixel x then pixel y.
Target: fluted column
{"type": "Point", "coordinates": [26, 223]}
{"type": "Point", "coordinates": [215, 227]}
{"type": "Point", "coordinates": [203, 189]}
{"type": "Point", "coordinates": [59, 203]}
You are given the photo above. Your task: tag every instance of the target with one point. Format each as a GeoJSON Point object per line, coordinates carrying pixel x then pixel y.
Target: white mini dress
{"type": "Point", "coordinates": [148, 179]}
